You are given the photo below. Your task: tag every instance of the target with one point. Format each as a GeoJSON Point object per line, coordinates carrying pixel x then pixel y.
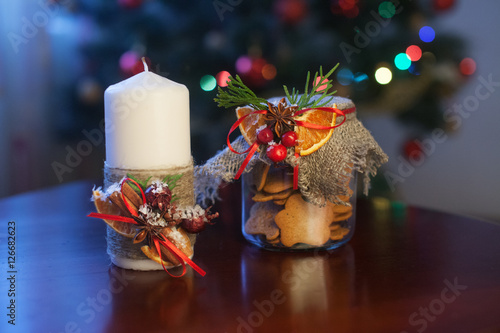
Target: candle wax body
{"type": "Point", "coordinates": [147, 123]}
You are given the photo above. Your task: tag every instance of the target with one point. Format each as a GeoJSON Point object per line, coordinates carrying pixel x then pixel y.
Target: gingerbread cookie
{"type": "Point", "coordinates": [277, 181]}
{"type": "Point", "coordinates": [303, 222]}
{"type": "Point", "coordinates": [264, 196]}
{"type": "Point", "coordinates": [280, 202]}
{"type": "Point", "coordinates": [341, 209]}
{"type": "Point", "coordinates": [261, 220]}
{"type": "Point", "coordinates": [338, 233]}
{"type": "Point", "coordinates": [342, 217]}
{"type": "Point", "coordinates": [259, 175]}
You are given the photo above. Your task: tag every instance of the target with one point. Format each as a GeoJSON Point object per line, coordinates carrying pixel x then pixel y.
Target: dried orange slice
{"type": "Point", "coordinates": [153, 255]}
{"type": "Point", "coordinates": [105, 206]}
{"type": "Point", "coordinates": [250, 125]}
{"type": "Point", "coordinates": [179, 238]}
{"type": "Point", "coordinates": [310, 139]}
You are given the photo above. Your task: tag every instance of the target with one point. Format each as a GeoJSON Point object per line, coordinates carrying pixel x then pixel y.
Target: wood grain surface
{"type": "Point", "coordinates": [422, 271]}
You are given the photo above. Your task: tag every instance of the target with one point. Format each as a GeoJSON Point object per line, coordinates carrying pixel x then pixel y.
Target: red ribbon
{"type": "Point", "coordinates": [113, 217]}
{"type": "Point", "coordinates": [178, 254]}
{"type": "Point", "coordinates": [253, 148]}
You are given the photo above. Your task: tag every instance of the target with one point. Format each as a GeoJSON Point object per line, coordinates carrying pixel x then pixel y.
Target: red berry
{"type": "Point", "coordinates": [289, 139]}
{"type": "Point", "coordinates": [265, 136]}
{"type": "Point", "coordinates": [276, 153]}
{"type": "Point", "coordinates": [194, 225]}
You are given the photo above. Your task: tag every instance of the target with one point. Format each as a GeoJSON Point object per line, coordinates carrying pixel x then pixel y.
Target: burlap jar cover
{"type": "Point", "coordinates": [324, 176]}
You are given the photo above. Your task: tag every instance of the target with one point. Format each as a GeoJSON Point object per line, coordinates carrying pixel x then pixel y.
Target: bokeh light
{"type": "Point", "coordinates": [414, 69]}
{"type": "Point", "coordinates": [351, 13]}
{"type": "Point", "coordinates": [347, 4]}
{"type": "Point", "coordinates": [243, 64]}
{"type": "Point", "coordinates": [386, 9]}
{"type": "Point", "coordinates": [467, 66]}
{"type": "Point", "coordinates": [322, 86]}
{"type": "Point", "coordinates": [269, 72]}
{"type": "Point", "coordinates": [345, 76]}
{"type": "Point", "coordinates": [347, 8]}
{"type": "Point", "coordinates": [222, 77]}
{"type": "Point", "coordinates": [428, 57]}
{"type": "Point", "coordinates": [402, 61]}
{"type": "Point", "coordinates": [427, 34]}
{"type": "Point", "coordinates": [383, 75]}
{"type": "Point", "coordinates": [139, 66]}
{"type": "Point", "coordinates": [291, 11]}
{"type": "Point", "coordinates": [441, 5]}
{"type": "Point", "coordinates": [361, 81]}
{"type": "Point", "coordinates": [208, 82]}
{"type": "Point", "coordinates": [360, 77]}
{"type": "Point", "coordinates": [414, 52]}
{"type": "Point", "coordinates": [128, 60]}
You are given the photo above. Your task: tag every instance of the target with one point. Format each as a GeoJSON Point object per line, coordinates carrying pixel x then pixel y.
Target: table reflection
{"type": "Point", "coordinates": [158, 301]}
{"type": "Point", "coordinates": [307, 285]}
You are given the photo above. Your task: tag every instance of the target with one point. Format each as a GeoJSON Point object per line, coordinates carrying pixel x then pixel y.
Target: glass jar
{"type": "Point", "coordinates": [277, 217]}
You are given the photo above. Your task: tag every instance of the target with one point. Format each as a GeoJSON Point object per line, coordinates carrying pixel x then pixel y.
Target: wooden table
{"type": "Point", "coordinates": [421, 271]}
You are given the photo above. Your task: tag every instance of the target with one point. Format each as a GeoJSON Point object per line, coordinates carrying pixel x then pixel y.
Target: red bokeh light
{"type": "Point", "coordinates": [222, 78]}
{"type": "Point", "coordinates": [139, 66]}
{"type": "Point", "coordinates": [322, 86]}
{"type": "Point", "coordinates": [467, 66]}
{"type": "Point", "coordinates": [414, 52]}
{"type": "Point", "coordinates": [351, 12]}
{"type": "Point", "coordinates": [347, 4]}
{"type": "Point", "coordinates": [441, 5]}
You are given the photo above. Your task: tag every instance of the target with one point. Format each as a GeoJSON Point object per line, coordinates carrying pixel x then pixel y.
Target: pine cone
{"type": "Point", "coordinates": [158, 195]}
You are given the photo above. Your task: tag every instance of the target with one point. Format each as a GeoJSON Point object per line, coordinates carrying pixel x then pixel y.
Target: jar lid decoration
{"type": "Point", "coordinates": [314, 132]}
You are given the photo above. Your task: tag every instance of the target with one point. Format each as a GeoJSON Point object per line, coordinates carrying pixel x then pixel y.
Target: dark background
{"type": "Point", "coordinates": [58, 57]}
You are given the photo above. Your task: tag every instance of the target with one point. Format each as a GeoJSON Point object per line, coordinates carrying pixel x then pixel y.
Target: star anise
{"type": "Point", "coordinates": [280, 117]}
{"type": "Point", "coordinates": [146, 230]}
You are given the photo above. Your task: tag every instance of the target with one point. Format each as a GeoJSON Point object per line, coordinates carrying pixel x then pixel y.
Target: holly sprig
{"type": "Point", "coordinates": [238, 94]}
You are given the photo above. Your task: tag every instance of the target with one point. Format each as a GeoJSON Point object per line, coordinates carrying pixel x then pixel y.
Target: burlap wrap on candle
{"type": "Point", "coordinates": [121, 249]}
{"type": "Point", "coordinates": [322, 174]}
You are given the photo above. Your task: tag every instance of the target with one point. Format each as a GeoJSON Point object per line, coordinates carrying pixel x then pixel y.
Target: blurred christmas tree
{"type": "Point", "coordinates": [391, 60]}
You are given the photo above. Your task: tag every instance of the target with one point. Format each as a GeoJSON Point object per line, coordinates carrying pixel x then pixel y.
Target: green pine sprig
{"type": "Point", "coordinates": [171, 181]}
{"type": "Point", "coordinates": [305, 99]}
{"type": "Point", "coordinates": [238, 94]}
{"type": "Point", "coordinates": [142, 183]}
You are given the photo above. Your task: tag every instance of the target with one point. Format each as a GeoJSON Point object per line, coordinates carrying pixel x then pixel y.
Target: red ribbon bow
{"type": "Point", "coordinates": [178, 254]}
{"type": "Point", "coordinates": [253, 148]}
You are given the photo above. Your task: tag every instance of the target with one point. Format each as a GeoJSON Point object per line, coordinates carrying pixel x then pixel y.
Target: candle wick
{"type": "Point", "coordinates": [146, 69]}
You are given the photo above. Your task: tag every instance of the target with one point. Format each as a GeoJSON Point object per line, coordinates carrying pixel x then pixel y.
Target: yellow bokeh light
{"type": "Point", "coordinates": [383, 75]}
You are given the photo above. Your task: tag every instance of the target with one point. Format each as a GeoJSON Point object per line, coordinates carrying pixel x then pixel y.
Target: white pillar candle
{"type": "Point", "coordinates": [147, 123]}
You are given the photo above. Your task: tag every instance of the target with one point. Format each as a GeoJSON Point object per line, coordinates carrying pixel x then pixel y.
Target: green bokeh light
{"type": "Point", "coordinates": [387, 9]}
{"type": "Point", "coordinates": [402, 61]}
{"type": "Point", "coordinates": [208, 83]}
